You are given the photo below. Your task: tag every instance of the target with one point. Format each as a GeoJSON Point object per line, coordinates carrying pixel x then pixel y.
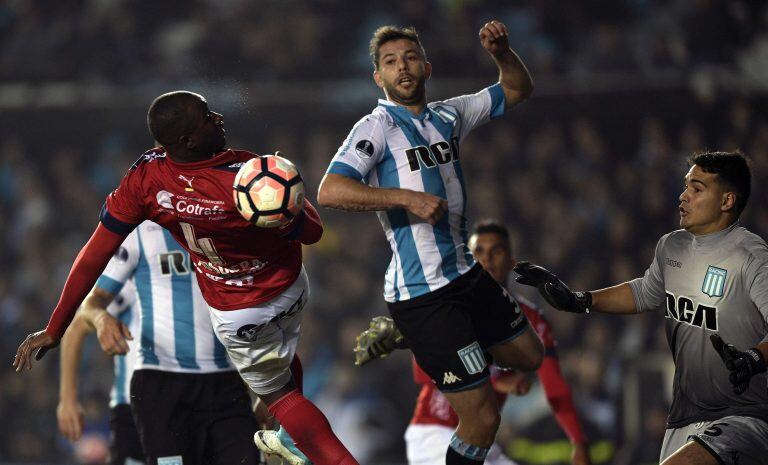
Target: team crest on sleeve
{"type": "Point", "coordinates": [714, 281]}
{"type": "Point", "coordinates": [364, 149]}
{"type": "Point", "coordinates": [472, 357]}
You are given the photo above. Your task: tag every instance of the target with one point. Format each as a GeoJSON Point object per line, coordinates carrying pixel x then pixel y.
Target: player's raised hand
{"type": "Point", "coordinates": [494, 37]}
{"type": "Point", "coordinates": [426, 206]}
{"type": "Point", "coordinates": [112, 334]}
{"type": "Point", "coordinates": [552, 288]}
{"type": "Point", "coordinates": [70, 415]}
{"type": "Point", "coordinates": [742, 365]}
{"type": "Point", "coordinates": [40, 342]}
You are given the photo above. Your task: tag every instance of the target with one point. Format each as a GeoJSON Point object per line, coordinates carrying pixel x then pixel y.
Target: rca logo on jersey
{"type": "Point", "coordinates": [450, 378]}
{"type": "Point", "coordinates": [714, 281]}
{"type": "Point", "coordinates": [438, 153]}
{"type": "Point", "coordinates": [687, 311]}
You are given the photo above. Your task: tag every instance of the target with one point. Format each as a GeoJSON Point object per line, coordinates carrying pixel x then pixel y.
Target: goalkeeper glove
{"type": "Point", "coordinates": [742, 365]}
{"type": "Point", "coordinates": [552, 288]}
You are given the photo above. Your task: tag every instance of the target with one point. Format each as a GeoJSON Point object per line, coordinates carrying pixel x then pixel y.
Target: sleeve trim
{"type": "Point", "coordinates": [497, 100]}
{"type": "Point", "coordinates": [110, 285]}
{"type": "Point", "coordinates": [113, 224]}
{"type": "Point", "coordinates": [344, 169]}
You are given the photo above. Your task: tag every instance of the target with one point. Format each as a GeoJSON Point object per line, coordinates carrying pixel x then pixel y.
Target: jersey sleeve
{"type": "Point", "coordinates": [756, 279]}
{"type": "Point", "coordinates": [121, 266]}
{"type": "Point", "coordinates": [476, 109]}
{"type": "Point", "coordinates": [648, 291]}
{"type": "Point", "coordinates": [361, 150]}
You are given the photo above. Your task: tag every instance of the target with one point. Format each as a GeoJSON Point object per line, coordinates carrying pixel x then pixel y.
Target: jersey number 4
{"type": "Point", "coordinates": [202, 246]}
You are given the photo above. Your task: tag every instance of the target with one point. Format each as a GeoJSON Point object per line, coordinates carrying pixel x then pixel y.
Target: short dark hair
{"type": "Point", "coordinates": [168, 118]}
{"type": "Point", "coordinates": [493, 226]}
{"type": "Point", "coordinates": [386, 34]}
{"type": "Point", "coordinates": [732, 170]}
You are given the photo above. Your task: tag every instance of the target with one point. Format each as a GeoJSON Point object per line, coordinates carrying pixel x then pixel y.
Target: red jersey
{"type": "Point", "coordinates": [432, 407]}
{"type": "Point", "coordinates": [238, 265]}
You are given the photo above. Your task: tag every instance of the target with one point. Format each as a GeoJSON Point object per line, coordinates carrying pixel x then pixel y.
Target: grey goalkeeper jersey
{"type": "Point", "coordinates": [715, 283]}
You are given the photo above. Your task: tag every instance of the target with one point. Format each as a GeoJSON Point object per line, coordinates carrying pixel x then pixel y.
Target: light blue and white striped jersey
{"type": "Point", "coordinates": [175, 329]}
{"type": "Point", "coordinates": [394, 148]}
{"type": "Point", "coordinates": [124, 308]}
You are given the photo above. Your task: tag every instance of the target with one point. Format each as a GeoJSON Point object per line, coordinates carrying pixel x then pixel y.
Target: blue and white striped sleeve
{"type": "Point", "coordinates": [121, 266]}
{"type": "Point", "coordinates": [361, 150]}
{"type": "Point", "coordinates": [477, 109]}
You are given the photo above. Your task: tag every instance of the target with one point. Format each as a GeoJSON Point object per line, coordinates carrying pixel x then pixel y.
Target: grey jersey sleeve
{"type": "Point", "coordinates": [648, 291]}
{"type": "Point", "coordinates": [756, 280]}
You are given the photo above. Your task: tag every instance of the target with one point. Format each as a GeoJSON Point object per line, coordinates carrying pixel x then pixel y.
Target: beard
{"type": "Point", "coordinates": [409, 97]}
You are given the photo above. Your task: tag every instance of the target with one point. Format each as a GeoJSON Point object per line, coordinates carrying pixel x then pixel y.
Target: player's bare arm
{"type": "Point", "coordinates": [615, 299]}
{"type": "Point", "coordinates": [112, 333]}
{"type": "Point", "coordinates": [343, 193]}
{"type": "Point", "coordinates": [69, 412]}
{"type": "Point", "coordinates": [514, 77]}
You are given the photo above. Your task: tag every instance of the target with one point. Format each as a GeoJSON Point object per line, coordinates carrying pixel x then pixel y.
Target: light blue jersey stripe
{"type": "Point", "coordinates": [108, 284]}
{"type": "Point", "coordinates": [413, 274]}
{"type": "Point", "coordinates": [433, 183]}
{"type": "Point", "coordinates": [144, 289]}
{"type": "Point", "coordinates": [497, 100]}
{"type": "Point", "coordinates": [344, 169]}
{"type": "Point", "coordinates": [446, 130]}
{"type": "Point", "coordinates": [183, 311]}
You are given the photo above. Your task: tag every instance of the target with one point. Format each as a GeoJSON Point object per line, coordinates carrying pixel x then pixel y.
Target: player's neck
{"type": "Point", "coordinates": [415, 108]}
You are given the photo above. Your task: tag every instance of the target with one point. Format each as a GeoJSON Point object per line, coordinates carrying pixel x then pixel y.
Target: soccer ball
{"type": "Point", "coordinates": [269, 191]}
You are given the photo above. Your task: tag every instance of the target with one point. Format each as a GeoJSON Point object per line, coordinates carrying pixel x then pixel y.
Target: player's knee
{"type": "Point", "coordinates": [533, 358]}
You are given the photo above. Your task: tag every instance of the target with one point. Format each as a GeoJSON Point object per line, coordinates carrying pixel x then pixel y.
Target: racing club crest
{"type": "Point", "coordinates": [714, 281]}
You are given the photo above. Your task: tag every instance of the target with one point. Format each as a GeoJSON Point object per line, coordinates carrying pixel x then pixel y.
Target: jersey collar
{"type": "Point", "coordinates": [403, 112]}
{"type": "Point", "coordinates": [220, 158]}
{"type": "Point", "coordinates": [707, 241]}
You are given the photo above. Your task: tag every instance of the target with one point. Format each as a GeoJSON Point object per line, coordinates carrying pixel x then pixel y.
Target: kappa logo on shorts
{"type": "Point", "coordinates": [450, 378]}
{"type": "Point", "coordinates": [171, 460]}
{"type": "Point", "coordinates": [472, 357]}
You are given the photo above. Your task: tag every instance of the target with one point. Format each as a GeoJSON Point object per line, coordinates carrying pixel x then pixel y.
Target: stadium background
{"type": "Point", "coordinates": [586, 174]}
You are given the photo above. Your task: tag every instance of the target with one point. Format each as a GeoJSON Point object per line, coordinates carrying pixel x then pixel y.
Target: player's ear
{"type": "Point", "coordinates": [728, 201]}
{"type": "Point", "coordinates": [427, 70]}
{"type": "Point", "coordinates": [377, 78]}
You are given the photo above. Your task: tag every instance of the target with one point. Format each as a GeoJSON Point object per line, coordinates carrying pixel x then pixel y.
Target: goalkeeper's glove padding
{"type": "Point", "coordinates": [552, 288]}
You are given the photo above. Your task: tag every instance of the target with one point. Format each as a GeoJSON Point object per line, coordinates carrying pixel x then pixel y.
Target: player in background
{"type": "Point", "coordinates": [402, 161]}
{"type": "Point", "coordinates": [188, 401]}
{"type": "Point", "coordinates": [710, 279]}
{"type": "Point", "coordinates": [124, 444]}
{"type": "Point", "coordinates": [433, 419]}
{"type": "Point", "coordinates": [252, 278]}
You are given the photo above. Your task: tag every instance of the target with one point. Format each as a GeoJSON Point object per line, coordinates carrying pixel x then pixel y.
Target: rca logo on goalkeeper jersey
{"type": "Point", "coordinates": [685, 310]}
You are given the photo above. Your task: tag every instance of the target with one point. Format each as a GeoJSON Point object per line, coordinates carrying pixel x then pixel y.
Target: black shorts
{"type": "Point", "coordinates": [193, 419]}
{"type": "Point", "coordinates": [124, 442]}
{"type": "Point", "coordinates": [450, 329]}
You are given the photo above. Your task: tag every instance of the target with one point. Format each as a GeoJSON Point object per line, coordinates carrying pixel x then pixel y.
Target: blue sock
{"type": "Point", "coordinates": [287, 441]}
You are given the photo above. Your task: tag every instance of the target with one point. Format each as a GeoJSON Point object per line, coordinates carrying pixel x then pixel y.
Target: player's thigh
{"type": "Point", "coordinates": [477, 408]}
{"type": "Point", "coordinates": [523, 352]}
{"type": "Point", "coordinates": [159, 404]}
{"type": "Point", "coordinates": [261, 341]}
{"type": "Point", "coordinates": [729, 440]}
{"type": "Point", "coordinates": [427, 444]}
{"type": "Point", "coordinates": [125, 447]}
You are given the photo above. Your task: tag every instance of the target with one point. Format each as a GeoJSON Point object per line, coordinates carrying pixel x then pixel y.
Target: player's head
{"type": "Point", "coordinates": [400, 64]}
{"type": "Point", "coordinates": [182, 123]}
{"type": "Point", "coordinates": [491, 246]}
{"type": "Point", "coordinates": [717, 189]}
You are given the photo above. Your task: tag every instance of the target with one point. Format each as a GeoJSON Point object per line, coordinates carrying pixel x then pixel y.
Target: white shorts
{"type": "Point", "coordinates": [732, 439]}
{"type": "Point", "coordinates": [427, 445]}
{"type": "Point", "coordinates": [261, 341]}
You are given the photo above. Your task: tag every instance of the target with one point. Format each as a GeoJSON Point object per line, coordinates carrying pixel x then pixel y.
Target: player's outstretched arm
{"type": "Point", "coordinates": [616, 299]}
{"type": "Point", "coordinates": [344, 193]}
{"type": "Point", "coordinates": [89, 264]}
{"type": "Point", "coordinates": [69, 412]}
{"type": "Point", "coordinates": [514, 77]}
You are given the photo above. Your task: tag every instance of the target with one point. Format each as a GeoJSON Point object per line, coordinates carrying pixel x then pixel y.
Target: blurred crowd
{"type": "Point", "coordinates": [587, 184]}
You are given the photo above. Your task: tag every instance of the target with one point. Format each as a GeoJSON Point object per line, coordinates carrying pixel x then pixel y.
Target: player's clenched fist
{"type": "Point", "coordinates": [426, 206]}
{"type": "Point", "coordinates": [742, 365]}
{"type": "Point", "coordinates": [494, 37]}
